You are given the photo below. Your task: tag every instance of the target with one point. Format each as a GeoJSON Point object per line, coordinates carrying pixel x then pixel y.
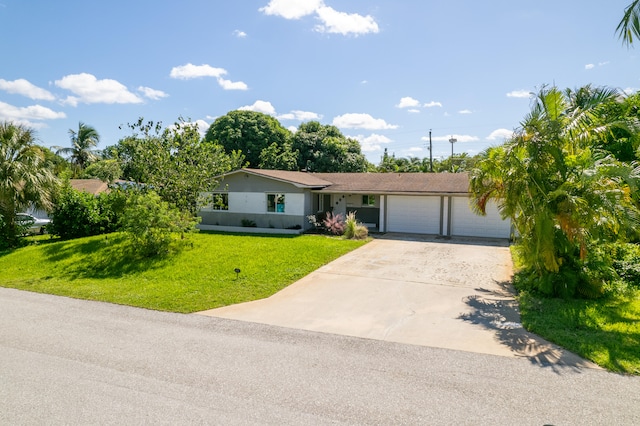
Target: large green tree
{"type": "Point", "coordinates": [83, 146]}
{"type": "Point", "coordinates": [174, 161]}
{"type": "Point", "coordinates": [564, 197]}
{"type": "Point", "coordinates": [25, 178]}
{"type": "Point", "coordinates": [249, 133]}
{"type": "Point", "coordinates": [323, 148]}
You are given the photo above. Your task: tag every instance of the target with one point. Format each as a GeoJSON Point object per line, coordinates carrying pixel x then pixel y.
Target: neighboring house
{"type": "Point", "coordinates": [421, 203]}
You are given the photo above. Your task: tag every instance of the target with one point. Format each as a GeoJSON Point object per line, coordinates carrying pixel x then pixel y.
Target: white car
{"type": "Point", "coordinates": [32, 223]}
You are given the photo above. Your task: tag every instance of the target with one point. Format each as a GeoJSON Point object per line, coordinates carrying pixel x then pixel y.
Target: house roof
{"type": "Point", "coordinates": [397, 183]}
{"type": "Point", "coordinates": [92, 186]}
{"type": "Point", "coordinates": [378, 183]}
{"type": "Point", "coordinates": [299, 179]}
{"type": "Point", "coordinates": [96, 186]}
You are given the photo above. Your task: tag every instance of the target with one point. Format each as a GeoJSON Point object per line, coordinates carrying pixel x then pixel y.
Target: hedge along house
{"type": "Point", "coordinates": [420, 203]}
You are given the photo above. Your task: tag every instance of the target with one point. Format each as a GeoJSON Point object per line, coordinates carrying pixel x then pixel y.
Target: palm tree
{"type": "Point", "coordinates": [83, 142]}
{"type": "Point", "coordinates": [25, 180]}
{"type": "Point", "coordinates": [629, 26]}
{"type": "Point", "coordinates": [563, 197]}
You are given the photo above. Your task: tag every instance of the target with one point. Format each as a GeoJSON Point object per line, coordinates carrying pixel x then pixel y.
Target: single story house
{"type": "Point", "coordinates": [421, 203]}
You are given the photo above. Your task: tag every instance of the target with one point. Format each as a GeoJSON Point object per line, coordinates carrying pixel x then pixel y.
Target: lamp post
{"type": "Point", "coordinates": [452, 140]}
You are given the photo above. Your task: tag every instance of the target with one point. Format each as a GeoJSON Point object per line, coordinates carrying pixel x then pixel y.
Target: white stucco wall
{"type": "Point", "coordinates": [256, 202]}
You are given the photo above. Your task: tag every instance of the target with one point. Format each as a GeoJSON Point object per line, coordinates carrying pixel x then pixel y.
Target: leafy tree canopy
{"type": "Point", "coordinates": [249, 133]}
{"type": "Point", "coordinates": [175, 161]}
{"type": "Point", "coordinates": [323, 148]}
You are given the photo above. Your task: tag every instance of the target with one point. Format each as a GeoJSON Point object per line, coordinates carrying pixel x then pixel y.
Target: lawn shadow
{"type": "Point", "coordinates": [106, 257]}
{"type": "Point", "coordinates": [497, 310]}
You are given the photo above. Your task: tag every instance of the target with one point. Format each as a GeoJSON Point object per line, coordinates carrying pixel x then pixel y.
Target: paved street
{"type": "Point", "coordinates": [66, 361]}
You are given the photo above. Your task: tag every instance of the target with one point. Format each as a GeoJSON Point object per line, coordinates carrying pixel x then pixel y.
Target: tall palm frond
{"type": "Point", "coordinates": [629, 26]}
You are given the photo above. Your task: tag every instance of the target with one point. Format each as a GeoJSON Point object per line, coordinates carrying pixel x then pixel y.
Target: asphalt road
{"type": "Point", "coordinates": [65, 361]}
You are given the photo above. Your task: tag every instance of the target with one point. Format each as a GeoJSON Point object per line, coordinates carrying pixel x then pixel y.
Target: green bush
{"type": "Point", "coordinates": [626, 262]}
{"type": "Point", "coordinates": [79, 214]}
{"type": "Point", "coordinates": [155, 227]}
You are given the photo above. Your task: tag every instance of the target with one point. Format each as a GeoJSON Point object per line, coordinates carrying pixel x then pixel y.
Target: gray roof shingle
{"type": "Point", "coordinates": [378, 183]}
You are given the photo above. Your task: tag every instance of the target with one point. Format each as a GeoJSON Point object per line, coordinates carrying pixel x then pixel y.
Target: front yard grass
{"type": "Point", "coordinates": [198, 278]}
{"type": "Point", "coordinates": [605, 331]}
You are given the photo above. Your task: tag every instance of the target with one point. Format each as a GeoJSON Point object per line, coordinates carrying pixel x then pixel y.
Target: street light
{"type": "Point", "coordinates": [452, 140]}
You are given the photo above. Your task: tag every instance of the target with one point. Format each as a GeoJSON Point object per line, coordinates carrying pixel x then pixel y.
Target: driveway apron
{"type": "Point", "coordinates": [418, 290]}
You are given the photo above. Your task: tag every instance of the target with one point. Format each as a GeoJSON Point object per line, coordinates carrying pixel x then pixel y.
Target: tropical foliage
{"type": "Point", "coordinates": [564, 197]}
{"type": "Point", "coordinates": [174, 161]}
{"type": "Point", "coordinates": [629, 26]}
{"type": "Point", "coordinates": [25, 179]}
{"type": "Point", "coordinates": [82, 151]}
{"type": "Point", "coordinates": [154, 227]}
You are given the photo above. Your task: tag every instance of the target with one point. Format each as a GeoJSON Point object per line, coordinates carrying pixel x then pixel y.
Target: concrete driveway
{"type": "Point", "coordinates": [410, 289]}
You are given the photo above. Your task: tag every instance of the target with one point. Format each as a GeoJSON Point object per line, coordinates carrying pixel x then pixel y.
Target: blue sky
{"type": "Point", "coordinates": [383, 71]}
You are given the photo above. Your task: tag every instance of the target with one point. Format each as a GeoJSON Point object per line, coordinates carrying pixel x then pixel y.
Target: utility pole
{"type": "Point", "coordinates": [452, 140]}
{"type": "Point", "coordinates": [430, 154]}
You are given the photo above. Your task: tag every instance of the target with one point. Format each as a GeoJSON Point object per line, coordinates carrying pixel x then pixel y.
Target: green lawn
{"type": "Point", "coordinates": [198, 278]}
{"type": "Point", "coordinates": [605, 331]}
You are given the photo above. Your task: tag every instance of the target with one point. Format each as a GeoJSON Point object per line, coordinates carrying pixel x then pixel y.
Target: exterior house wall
{"type": "Point", "coordinates": [247, 200]}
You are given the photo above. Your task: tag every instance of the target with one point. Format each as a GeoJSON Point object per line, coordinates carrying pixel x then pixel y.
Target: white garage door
{"type": "Point", "coordinates": [466, 223]}
{"type": "Point", "coordinates": [416, 215]}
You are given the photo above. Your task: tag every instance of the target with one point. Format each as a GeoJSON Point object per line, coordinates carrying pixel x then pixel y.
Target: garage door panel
{"type": "Point", "coordinates": [420, 215]}
{"type": "Point", "coordinates": [464, 222]}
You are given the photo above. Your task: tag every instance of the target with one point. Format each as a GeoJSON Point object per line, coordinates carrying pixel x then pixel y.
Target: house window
{"type": "Point", "coordinates": [220, 201]}
{"type": "Point", "coordinates": [275, 203]}
{"type": "Point", "coordinates": [368, 200]}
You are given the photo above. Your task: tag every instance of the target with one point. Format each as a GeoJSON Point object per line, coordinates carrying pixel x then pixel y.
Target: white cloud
{"type": "Point", "coordinates": [291, 9]}
{"type": "Point", "coordinates": [465, 111]}
{"type": "Point", "coordinates": [519, 94]}
{"type": "Point", "coordinates": [415, 149]}
{"type": "Point", "coordinates": [372, 142]}
{"type": "Point", "coordinates": [408, 102]}
{"type": "Point", "coordinates": [589, 66]}
{"type": "Point", "coordinates": [292, 129]}
{"type": "Point", "coordinates": [260, 106]}
{"type": "Point", "coordinates": [89, 90]}
{"type": "Point", "coordinates": [413, 111]}
{"type": "Point", "coordinates": [189, 71]}
{"type": "Point", "coordinates": [335, 22]}
{"type": "Point", "coordinates": [331, 20]}
{"type": "Point", "coordinates": [432, 104]}
{"type": "Point", "coordinates": [232, 85]}
{"type": "Point", "coordinates": [361, 121]}
{"type": "Point", "coordinates": [300, 116]}
{"type": "Point", "coordinates": [25, 88]}
{"type": "Point", "coordinates": [26, 114]}
{"type": "Point", "coordinates": [150, 93]}
{"type": "Point", "coordinates": [601, 64]}
{"type": "Point", "coordinates": [500, 134]}
{"type": "Point", "coordinates": [239, 34]}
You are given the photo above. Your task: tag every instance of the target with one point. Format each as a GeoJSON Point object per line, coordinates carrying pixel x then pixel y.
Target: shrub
{"type": "Point", "coordinates": [79, 214]}
{"type": "Point", "coordinates": [153, 225]}
{"type": "Point", "coordinates": [355, 230]}
{"type": "Point", "coordinates": [334, 223]}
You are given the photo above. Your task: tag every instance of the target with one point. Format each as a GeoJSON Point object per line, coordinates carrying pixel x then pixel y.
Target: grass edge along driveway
{"type": "Point", "coordinates": [198, 278]}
